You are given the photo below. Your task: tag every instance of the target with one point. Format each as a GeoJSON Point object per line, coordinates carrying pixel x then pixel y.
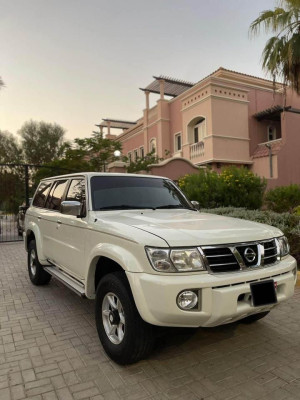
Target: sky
{"type": "Point", "coordinates": [75, 62]}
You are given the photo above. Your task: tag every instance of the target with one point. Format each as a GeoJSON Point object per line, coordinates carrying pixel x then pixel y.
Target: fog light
{"type": "Point", "coordinates": [187, 300]}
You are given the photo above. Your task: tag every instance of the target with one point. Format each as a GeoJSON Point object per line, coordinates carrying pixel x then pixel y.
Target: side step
{"type": "Point", "coordinates": [66, 279]}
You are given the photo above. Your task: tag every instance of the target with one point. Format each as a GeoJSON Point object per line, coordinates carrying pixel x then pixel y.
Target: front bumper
{"type": "Point", "coordinates": [221, 297]}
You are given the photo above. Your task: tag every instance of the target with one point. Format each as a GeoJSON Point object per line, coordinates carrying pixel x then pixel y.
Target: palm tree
{"type": "Point", "coordinates": [281, 54]}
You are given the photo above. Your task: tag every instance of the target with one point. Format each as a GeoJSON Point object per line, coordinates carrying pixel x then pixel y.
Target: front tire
{"type": "Point", "coordinates": [125, 337]}
{"type": "Point", "coordinates": [255, 317]}
{"type": "Point", "coordinates": [37, 274]}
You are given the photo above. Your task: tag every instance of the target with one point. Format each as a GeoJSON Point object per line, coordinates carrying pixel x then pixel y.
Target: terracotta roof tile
{"type": "Point", "coordinates": [262, 151]}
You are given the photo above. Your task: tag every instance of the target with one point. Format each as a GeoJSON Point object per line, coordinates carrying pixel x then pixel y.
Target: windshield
{"type": "Point", "coordinates": [130, 192]}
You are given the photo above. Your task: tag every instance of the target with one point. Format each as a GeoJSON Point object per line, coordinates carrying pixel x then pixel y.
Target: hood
{"type": "Point", "coordinates": [190, 228]}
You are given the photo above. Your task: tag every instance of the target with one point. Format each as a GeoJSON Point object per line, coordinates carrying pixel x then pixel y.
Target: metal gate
{"type": "Point", "coordinates": [17, 185]}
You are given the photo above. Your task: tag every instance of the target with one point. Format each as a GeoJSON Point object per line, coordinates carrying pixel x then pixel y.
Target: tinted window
{"type": "Point", "coordinates": [41, 194]}
{"type": "Point", "coordinates": [118, 192]}
{"type": "Point", "coordinates": [76, 191]}
{"type": "Point", "coordinates": [55, 196]}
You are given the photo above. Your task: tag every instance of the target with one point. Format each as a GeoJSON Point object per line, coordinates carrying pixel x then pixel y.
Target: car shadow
{"type": "Point", "coordinates": [178, 340]}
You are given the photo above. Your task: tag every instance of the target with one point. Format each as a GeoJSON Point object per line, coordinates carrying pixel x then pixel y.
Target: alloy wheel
{"type": "Point", "coordinates": [113, 318]}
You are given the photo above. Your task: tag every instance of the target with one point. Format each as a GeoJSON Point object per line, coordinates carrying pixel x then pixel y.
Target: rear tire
{"type": "Point", "coordinates": [124, 335]}
{"type": "Point", "coordinates": [37, 274]}
{"type": "Point", "coordinates": [255, 317]}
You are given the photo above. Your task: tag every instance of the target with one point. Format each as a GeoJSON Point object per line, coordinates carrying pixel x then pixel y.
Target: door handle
{"type": "Point", "coordinates": [58, 221]}
{"type": "Point", "coordinates": [39, 218]}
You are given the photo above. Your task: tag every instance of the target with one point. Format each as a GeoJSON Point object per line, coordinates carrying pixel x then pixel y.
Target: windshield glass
{"type": "Point", "coordinates": [130, 192]}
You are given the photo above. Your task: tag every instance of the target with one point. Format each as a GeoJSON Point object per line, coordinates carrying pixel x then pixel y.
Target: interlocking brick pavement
{"type": "Point", "coordinates": [49, 350]}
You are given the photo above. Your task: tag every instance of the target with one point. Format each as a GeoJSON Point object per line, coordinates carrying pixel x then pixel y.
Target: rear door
{"type": "Point", "coordinates": [50, 221]}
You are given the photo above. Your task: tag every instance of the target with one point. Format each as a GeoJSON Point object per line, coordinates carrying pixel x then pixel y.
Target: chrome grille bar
{"type": "Point", "coordinates": [231, 257]}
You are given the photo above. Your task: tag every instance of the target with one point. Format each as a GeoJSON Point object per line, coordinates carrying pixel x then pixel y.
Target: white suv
{"type": "Point", "coordinates": [138, 246]}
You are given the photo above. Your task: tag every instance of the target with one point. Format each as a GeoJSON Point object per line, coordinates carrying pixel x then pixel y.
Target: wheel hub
{"type": "Point", "coordinates": [32, 262]}
{"type": "Point", "coordinates": [113, 318]}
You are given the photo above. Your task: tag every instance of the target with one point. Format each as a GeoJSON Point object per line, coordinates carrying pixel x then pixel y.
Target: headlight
{"type": "Point", "coordinates": [160, 260]}
{"type": "Point", "coordinates": [283, 246]}
{"type": "Point", "coordinates": [175, 260]}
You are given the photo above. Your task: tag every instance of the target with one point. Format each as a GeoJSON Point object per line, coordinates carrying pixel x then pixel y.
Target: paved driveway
{"type": "Point", "coordinates": [49, 350]}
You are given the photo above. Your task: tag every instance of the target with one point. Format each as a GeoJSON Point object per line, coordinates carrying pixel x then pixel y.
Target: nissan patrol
{"type": "Point", "coordinates": [148, 257]}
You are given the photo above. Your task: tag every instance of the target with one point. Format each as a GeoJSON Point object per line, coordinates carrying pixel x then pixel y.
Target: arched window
{"type": "Point", "coordinates": [196, 130]}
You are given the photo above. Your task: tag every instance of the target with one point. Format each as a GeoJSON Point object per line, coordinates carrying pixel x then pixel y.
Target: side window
{"type": "Point", "coordinates": [76, 191]}
{"type": "Point", "coordinates": [41, 194]}
{"type": "Point", "coordinates": [55, 196]}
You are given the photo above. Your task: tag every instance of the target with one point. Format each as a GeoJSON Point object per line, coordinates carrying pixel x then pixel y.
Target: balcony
{"type": "Point", "coordinates": [197, 150]}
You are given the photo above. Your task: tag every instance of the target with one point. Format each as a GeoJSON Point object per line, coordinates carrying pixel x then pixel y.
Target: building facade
{"type": "Point", "coordinates": [227, 118]}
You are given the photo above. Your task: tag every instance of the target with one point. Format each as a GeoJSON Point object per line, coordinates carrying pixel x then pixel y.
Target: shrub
{"type": "Point", "coordinates": [237, 187]}
{"type": "Point", "coordinates": [204, 187]}
{"type": "Point", "coordinates": [288, 223]}
{"type": "Point", "coordinates": [283, 198]}
{"type": "Point", "coordinates": [297, 211]}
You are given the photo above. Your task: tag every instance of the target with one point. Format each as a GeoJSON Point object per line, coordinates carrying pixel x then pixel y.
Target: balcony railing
{"type": "Point", "coordinates": [197, 149]}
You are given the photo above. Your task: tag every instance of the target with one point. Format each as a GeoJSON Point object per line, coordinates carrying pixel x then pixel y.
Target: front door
{"type": "Point", "coordinates": [71, 232]}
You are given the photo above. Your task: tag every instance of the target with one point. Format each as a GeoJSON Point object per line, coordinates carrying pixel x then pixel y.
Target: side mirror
{"type": "Point", "coordinates": [196, 204]}
{"type": "Point", "coordinates": [71, 208]}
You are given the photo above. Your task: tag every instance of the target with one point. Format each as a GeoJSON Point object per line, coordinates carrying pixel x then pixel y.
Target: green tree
{"type": "Point", "coordinates": [97, 150]}
{"type": "Point", "coordinates": [11, 178]}
{"type": "Point", "coordinates": [89, 154]}
{"type": "Point", "coordinates": [10, 150]}
{"type": "Point", "coordinates": [142, 163]}
{"type": "Point", "coordinates": [281, 54]}
{"type": "Point", "coordinates": [41, 141]}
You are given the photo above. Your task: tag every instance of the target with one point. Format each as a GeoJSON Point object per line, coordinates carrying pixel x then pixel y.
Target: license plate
{"type": "Point", "coordinates": [263, 293]}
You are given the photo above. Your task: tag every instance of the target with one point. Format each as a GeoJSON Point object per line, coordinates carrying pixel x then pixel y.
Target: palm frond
{"type": "Point", "coordinates": [281, 54]}
{"type": "Point", "coordinates": [267, 19]}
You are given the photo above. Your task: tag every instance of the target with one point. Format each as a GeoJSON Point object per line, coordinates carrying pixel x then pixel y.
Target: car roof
{"type": "Point", "coordinates": [90, 174]}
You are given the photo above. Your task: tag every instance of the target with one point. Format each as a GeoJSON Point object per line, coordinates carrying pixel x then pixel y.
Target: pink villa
{"type": "Point", "coordinates": [227, 118]}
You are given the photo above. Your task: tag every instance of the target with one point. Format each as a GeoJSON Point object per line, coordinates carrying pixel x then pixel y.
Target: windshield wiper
{"type": "Point", "coordinates": [122, 207]}
{"type": "Point", "coordinates": [169, 206]}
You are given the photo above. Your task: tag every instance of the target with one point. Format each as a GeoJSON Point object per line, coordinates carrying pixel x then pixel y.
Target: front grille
{"type": "Point", "coordinates": [240, 256]}
{"type": "Point", "coordinates": [221, 259]}
{"type": "Point", "coordinates": [270, 255]}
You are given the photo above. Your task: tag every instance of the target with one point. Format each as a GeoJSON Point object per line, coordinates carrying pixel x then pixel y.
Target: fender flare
{"type": "Point", "coordinates": [33, 227]}
{"type": "Point", "coordinates": [118, 254]}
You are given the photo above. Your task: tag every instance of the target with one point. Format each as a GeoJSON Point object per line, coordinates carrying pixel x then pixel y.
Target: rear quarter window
{"type": "Point", "coordinates": [55, 197]}
{"type": "Point", "coordinates": [41, 194]}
